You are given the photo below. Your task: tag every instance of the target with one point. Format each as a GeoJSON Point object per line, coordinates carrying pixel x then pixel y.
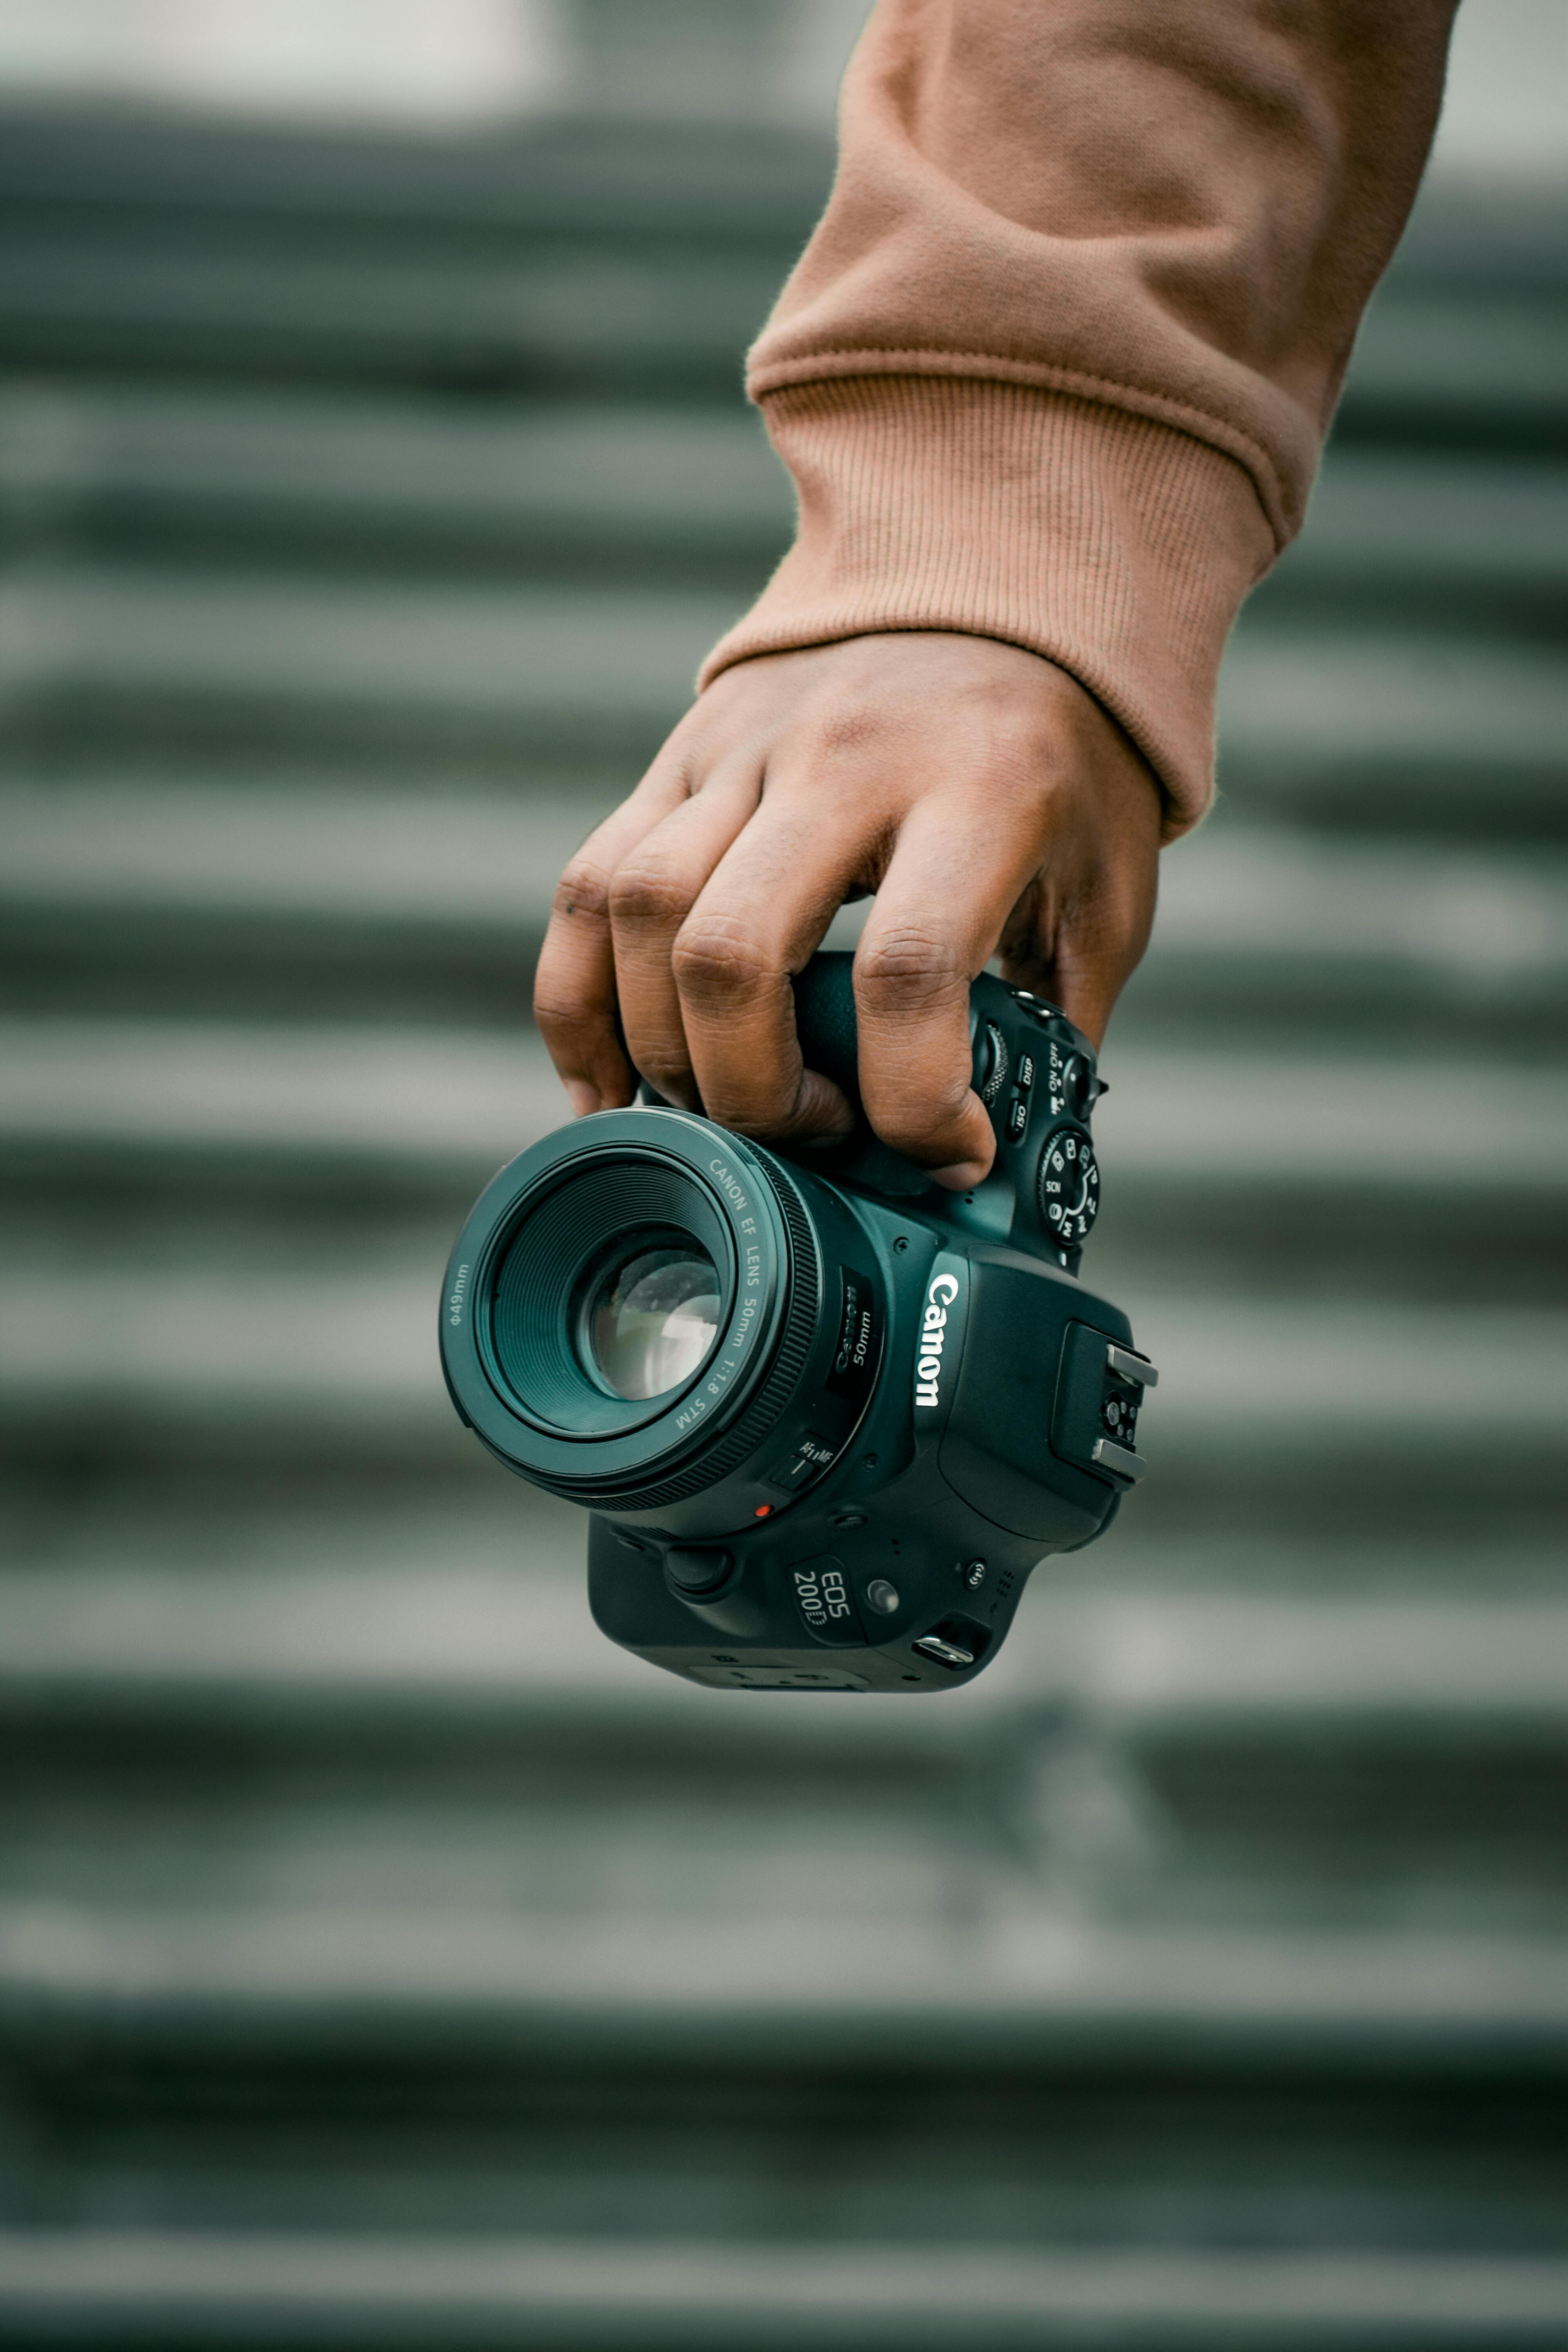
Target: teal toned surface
{"type": "Point", "coordinates": [386, 1958]}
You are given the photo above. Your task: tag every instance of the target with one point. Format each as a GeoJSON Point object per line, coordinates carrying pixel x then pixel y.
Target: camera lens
{"type": "Point", "coordinates": [644, 1313]}
{"type": "Point", "coordinates": [651, 1318]}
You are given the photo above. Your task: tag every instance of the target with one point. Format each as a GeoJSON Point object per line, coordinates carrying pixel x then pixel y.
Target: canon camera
{"type": "Point", "coordinates": [827, 1416]}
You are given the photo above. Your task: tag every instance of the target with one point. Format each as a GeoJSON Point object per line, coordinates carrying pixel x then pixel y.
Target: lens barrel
{"type": "Point", "coordinates": [648, 1315]}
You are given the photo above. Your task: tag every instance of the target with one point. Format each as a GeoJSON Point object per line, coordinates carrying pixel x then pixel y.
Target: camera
{"type": "Point", "coordinates": [827, 1415]}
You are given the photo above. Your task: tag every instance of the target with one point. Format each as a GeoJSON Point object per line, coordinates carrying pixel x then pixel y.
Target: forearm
{"type": "Point", "coordinates": [1057, 363]}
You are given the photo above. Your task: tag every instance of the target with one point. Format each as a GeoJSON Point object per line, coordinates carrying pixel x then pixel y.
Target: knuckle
{"type": "Point", "coordinates": [906, 967]}
{"type": "Point", "coordinates": [647, 895]}
{"type": "Point", "coordinates": [756, 1110]}
{"type": "Point", "coordinates": [717, 961]}
{"type": "Point", "coordinates": [668, 1070]}
{"type": "Point", "coordinates": [561, 1019]}
{"type": "Point", "coordinates": [582, 890]}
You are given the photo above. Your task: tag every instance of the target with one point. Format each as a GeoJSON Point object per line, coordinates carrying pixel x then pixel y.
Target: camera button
{"type": "Point", "coordinates": [1078, 1086]}
{"type": "Point", "coordinates": [1026, 1072]}
{"type": "Point", "coordinates": [695, 1574]}
{"type": "Point", "coordinates": [811, 1457]}
{"type": "Point", "coordinates": [1018, 1117]}
{"type": "Point", "coordinates": [990, 1063]}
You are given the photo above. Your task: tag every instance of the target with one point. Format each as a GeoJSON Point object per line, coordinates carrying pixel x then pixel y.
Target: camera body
{"type": "Point", "coordinates": [827, 1415]}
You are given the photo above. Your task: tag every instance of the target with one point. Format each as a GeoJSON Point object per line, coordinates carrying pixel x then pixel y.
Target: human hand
{"type": "Point", "coordinates": [978, 790]}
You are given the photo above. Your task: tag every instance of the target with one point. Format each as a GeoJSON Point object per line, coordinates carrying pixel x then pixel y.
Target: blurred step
{"type": "Point", "coordinates": [1478, 540]}
{"type": "Point", "coordinates": [483, 487]}
{"type": "Point", "coordinates": [287, 1617]}
{"type": "Point", "coordinates": [1395, 937]}
{"type": "Point", "coordinates": [535, 260]}
{"type": "Point", "coordinates": [1242, 1168]}
{"type": "Point", "coordinates": [1444, 367]}
{"type": "Point", "coordinates": [1440, 734]}
{"type": "Point", "coordinates": [373, 1923]}
{"type": "Point", "coordinates": [254, 892]}
{"type": "Point", "coordinates": [1375, 1411]}
{"type": "Point", "coordinates": [1463, 344]}
{"type": "Point", "coordinates": [714, 183]}
{"type": "Point", "coordinates": [293, 897]}
{"type": "Point", "coordinates": [342, 1106]}
{"type": "Point", "coordinates": [571, 256]}
{"type": "Point", "coordinates": [552, 315]}
{"type": "Point", "coordinates": [433, 484]}
{"type": "Point", "coordinates": [1433, 733]}
{"type": "Point", "coordinates": [96, 653]}
{"type": "Point", "coordinates": [199, 2290]}
{"type": "Point", "coordinates": [1191, 1760]}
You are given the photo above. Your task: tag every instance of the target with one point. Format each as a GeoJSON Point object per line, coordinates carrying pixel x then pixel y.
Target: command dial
{"type": "Point", "coordinates": [991, 1061]}
{"type": "Point", "coordinates": [1068, 1189]}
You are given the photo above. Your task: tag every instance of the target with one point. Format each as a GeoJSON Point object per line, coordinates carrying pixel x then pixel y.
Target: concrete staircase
{"type": "Point", "coordinates": [384, 1958]}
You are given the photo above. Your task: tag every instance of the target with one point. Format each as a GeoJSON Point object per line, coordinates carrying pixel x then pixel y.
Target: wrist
{"type": "Point", "coordinates": [1113, 547]}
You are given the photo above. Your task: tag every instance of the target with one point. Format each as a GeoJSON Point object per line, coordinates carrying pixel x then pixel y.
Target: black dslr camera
{"type": "Point", "coordinates": [827, 1415]}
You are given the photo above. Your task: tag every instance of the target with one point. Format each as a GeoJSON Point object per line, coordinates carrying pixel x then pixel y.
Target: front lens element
{"type": "Point", "coordinates": [652, 1319]}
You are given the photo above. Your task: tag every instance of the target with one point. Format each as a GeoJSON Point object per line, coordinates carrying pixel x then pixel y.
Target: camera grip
{"type": "Point", "coordinates": [824, 1019]}
{"type": "Point", "coordinates": [829, 1042]}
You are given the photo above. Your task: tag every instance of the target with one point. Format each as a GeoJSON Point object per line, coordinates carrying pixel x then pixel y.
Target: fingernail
{"type": "Point", "coordinates": [961, 1177]}
{"type": "Point", "coordinates": [585, 1099]}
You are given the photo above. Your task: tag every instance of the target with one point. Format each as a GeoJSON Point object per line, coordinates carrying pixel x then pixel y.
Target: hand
{"type": "Point", "coordinates": [983, 796]}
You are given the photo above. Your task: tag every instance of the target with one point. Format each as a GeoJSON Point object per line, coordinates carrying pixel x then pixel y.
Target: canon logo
{"type": "Point", "coordinates": [933, 1333]}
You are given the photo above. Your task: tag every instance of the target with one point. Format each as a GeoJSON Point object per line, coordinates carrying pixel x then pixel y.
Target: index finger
{"type": "Point", "coordinates": [575, 980]}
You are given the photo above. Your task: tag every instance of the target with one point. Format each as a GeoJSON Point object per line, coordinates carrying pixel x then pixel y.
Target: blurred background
{"type": "Point", "coordinates": [384, 1957]}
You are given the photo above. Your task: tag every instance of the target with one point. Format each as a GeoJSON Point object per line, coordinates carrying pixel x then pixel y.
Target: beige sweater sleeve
{"type": "Point", "coordinates": [1057, 363]}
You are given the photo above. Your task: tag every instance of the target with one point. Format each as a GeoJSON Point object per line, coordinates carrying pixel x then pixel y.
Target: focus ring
{"type": "Point", "coordinates": [757, 1420]}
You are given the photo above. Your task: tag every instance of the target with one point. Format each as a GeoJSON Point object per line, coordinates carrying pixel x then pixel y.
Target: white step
{"type": "Point", "coordinates": [1432, 351]}
{"type": "Point", "coordinates": [1482, 921]}
{"type": "Point", "coordinates": [691, 2295]}
{"type": "Point", "coordinates": [598, 664]}
{"type": "Point", "coordinates": [464, 1100]}
{"type": "Point", "coordinates": [521, 658]}
{"type": "Point", "coordinates": [872, 1934]}
{"type": "Point", "coordinates": [1403, 518]}
{"type": "Point", "coordinates": [1296, 705]}
{"type": "Point", "coordinates": [243, 1350]}
{"type": "Point", "coordinates": [442, 1614]}
{"type": "Point", "coordinates": [398, 308]}
{"type": "Point", "coordinates": [298, 463]}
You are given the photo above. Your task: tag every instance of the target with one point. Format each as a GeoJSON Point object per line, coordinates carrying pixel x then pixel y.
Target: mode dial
{"type": "Point", "coordinates": [1068, 1188]}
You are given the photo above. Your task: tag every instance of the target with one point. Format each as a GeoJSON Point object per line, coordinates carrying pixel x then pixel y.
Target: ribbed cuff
{"type": "Point", "coordinates": [1117, 547]}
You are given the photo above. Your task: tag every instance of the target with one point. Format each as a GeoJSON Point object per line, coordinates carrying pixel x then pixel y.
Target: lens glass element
{"type": "Point", "coordinates": [652, 1317]}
